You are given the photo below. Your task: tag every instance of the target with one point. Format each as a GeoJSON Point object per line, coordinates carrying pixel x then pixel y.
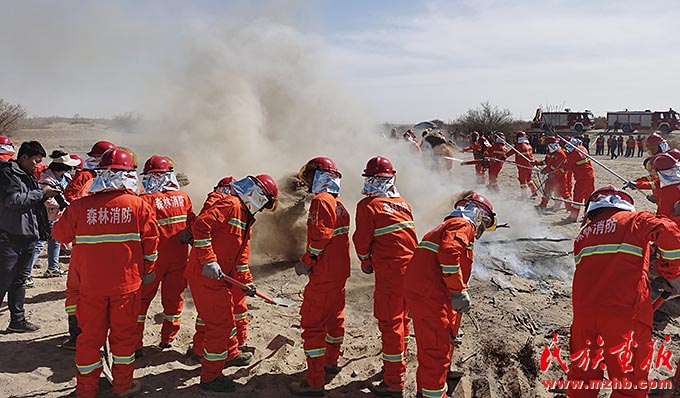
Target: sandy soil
{"type": "Point", "coordinates": [512, 319]}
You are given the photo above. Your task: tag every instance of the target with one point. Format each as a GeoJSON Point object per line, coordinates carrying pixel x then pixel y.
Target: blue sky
{"type": "Point", "coordinates": [406, 60]}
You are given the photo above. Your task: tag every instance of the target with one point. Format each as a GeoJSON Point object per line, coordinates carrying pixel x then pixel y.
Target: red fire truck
{"type": "Point", "coordinates": [629, 121]}
{"type": "Point", "coordinates": [563, 121]}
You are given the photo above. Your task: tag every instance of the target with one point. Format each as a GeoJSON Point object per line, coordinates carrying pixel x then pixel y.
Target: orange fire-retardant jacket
{"type": "Point", "coordinates": [79, 186]}
{"type": "Point", "coordinates": [116, 238]}
{"type": "Point", "coordinates": [442, 261]}
{"type": "Point", "coordinates": [554, 163]}
{"type": "Point", "coordinates": [385, 234]}
{"type": "Point", "coordinates": [173, 213]}
{"type": "Point", "coordinates": [221, 234]}
{"type": "Point", "coordinates": [519, 150]}
{"type": "Point", "coordinates": [612, 260]}
{"type": "Point", "coordinates": [666, 198]}
{"type": "Point", "coordinates": [497, 151]}
{"type": "Point", "coordinates": [477, 150]}
{"type": "Point", "coordinates": [327, 240]}
{"type": "Point", "coordinates": [579, 164]}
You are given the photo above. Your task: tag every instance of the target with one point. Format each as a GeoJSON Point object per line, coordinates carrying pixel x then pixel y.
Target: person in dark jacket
{"type": "Point", "coordinates": [23, 221]}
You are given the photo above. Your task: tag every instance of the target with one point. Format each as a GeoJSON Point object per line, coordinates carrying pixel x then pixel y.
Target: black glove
{"type": "Point", "coordinates": [302, 268]}
{"type": "Point", "coordinates": [651, 198]}
{"type": "Point", "coordinates": [251, 291]}
{"type": "Point", "coordinates": [630, 185]}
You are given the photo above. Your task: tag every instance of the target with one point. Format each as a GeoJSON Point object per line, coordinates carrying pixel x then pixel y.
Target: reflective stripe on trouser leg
{"type": "Point", "coordinates": [214, 303]}
{"type": "Point", "coordinates": [335, 328]}
{"type": "Point", "coordinates": [199, 337]}
{"type": "Point", "coordinates": [123, 311]}
{"type": "Point", "coordinates": [433, 330]}
{"type": "Point", "coordinates": [240, 314]}
{"type": "Point", "coordinates": [390, 311]}
{"type": "Point", "coordinates": [321, 307]}
{"type": "Point", "coordinates": [172, 287]}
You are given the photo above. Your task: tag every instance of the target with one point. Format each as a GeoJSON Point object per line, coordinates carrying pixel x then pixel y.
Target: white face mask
{"type": "Point", "coordinates": [553, 147]}
{"type": "Point", "coordinates": [664, 147]}
{"type": "Point", "coordinates": [155, 182]}
{"type": "Point", "coordinates": [251, 194]}
{"type": "Point", "coordinates": [326, 181]}
{"type": "Point", "coordinates": [471, 213]}
{"type": "Point", "coordinates": [522, 140]}
{"type": "Point", "coordinates": [113, 180]}
{"type": "Point", "coordinates": [6, 148]}
{"type": "Point", "coordinates": [613, 201]}
{"type": "Point", "coordinates": [669, 177]}
{"type": "Point", "coordinates": [500, 140]}
{"type": "Point", "coordinates": [380, 187]}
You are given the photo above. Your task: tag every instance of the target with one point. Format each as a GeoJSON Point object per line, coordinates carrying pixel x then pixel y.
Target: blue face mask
{"type": "Point", "coordinates": [380, 187]}
{"type": "Point", "coordinates": [326, 181]}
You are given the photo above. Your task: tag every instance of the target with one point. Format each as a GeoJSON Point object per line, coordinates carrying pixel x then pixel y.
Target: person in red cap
{"type": "Point", "coordinates": [496, 153]}
{"type": "Point", "coordinates": [326, 262]}
{"type": "Point", "coordinates": [221, 236]}
{"type": "Point", "coordinates": [241, 272]}
{"type": "Point", "coordinates": [7, 150]}
{"type": "Point", "coordinates": [435, 287]}
{"type": "Point", "coordinates": [524, 157]}
{"type": "Point", "coordinates": [116, 239]}
{"type": "Point", "coordinates": [80, 185]}
{"type": "Point", "coordinates": [584, 175]}
{"type": "Point", "coordinates": [610, 292]}
{"type": "Point", "coordinates": [556, 183]}
{"type": "Point", "coordinates": [656, 144]}
{"type": "Point", "coordinates": [385, 239]}
{"type": "Point", "coordinates": [478, 146]}
{"type": "Point", "coordinates": [173, 212]}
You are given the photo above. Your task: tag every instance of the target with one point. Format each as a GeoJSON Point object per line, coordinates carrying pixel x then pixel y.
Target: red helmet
{"type": "Point", "coordinates": [116, 159]}
{"type": "Point", "coordinates": [269, 185]}
{"type": "Point", "coordinates": [484, 203]}
{"type": "Point", "coordinates": [318, 163]}
{"type": "Point", "coordinates": [225, 181]}
{"type": "Point", "coordinates": [379, 167]}
{"type": "Point", "coordinates": [664, 161]}
{"type": "Point", "coordinates": [654, 139]}
{"type": "Point", "coordinates": [552, 140]}
{"type": "Point", "coordinates": [520, 134]}
{"type": "Point", "coordinates": [99, 148]}
{"type": "Point", "coordinates": [500, 134]}
{"type": "Point", "coordinates": [474, 134]}
{"type": "Point", "coordinates": [5, 141]}
{"type": "Point", "coordinates": [675, 153]}
{"type": "Point", "coordinates": [78, 158]}
{"type": "Point", "coordinates": [157, 164]}
{"type": "Point", "coordinates": [594, 201]}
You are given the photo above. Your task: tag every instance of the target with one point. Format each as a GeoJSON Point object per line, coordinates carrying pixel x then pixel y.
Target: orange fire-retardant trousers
{"type": "Point", "coordinates": [524, 177]}
{"type": "Point", "coordinates": [240, 317]}
{"type": "Point", "coordinates": [213, 302]}
{"type": "Point", "coordinates": [583, 188]}
{"type": "Point", "coordinates": [173, 284]}
{"type": "Point", "coordinates": [612, 331]}
{"type": "Point", "coordinates": [494, 170]}
{"type": "Point", "coordinates": [96, 315]}
{"type": "Point", "coordinates": [323, 328]}
{"type": "Point", "coordinates": [389, 308]}
{"type": "Point", "coordinates": [556, 186]}
{"type": "Point", "coordinates": [480, 171]}
{"type": "Point", "coordinates": [433, 338]}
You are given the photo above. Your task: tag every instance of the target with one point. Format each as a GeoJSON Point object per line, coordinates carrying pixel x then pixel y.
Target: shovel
{"type": "Point", "coordinates": [276, 300]}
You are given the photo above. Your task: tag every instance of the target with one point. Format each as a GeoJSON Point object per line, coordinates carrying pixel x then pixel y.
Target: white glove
{"type": "Point", "coordinates": [212, 270]}
{"type": "Point", "coordinates": [460, 302]}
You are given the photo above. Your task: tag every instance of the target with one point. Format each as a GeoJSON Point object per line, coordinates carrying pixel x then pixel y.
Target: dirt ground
{"type": "Point", "coordinates": [513, 317]}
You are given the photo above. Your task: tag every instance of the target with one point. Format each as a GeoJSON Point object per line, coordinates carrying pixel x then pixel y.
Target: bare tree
{"type": "Point", "coordinates": [10, 115]}
{"type": "Point", "coordinates": [486, 118]}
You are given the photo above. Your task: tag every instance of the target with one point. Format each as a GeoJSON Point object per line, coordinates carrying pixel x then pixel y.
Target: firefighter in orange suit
{"type": "Point", "coordinates": [80, 184]}
{"type": "Point", "coordinates": [435, 286]}
{"type": "Point", "coordinates": [555, 183]}
{"type": "Point", "coordinates": [668, 171]}
{"type": "Point", "coordinates": [221, 236]}
{"type": "Point", "coordinates": [116, 238]}
{"type": "Point", "coordinates": [610, 291]}
{"type": "Point", "coordinates": [496, 153]}
{"type": "Point", "coordinates": [240, 272]}
{"type": "Point", "coordinates": [524, 157]}
{"type": "Point", "coordinates": [385, 239]}
{"type": "Point", "coordinates": [648, 182]}
{"type": "Point", "coordinates": [478, 146]}
{"type": "Point", "coordinates": [173, 213]}
{"type": "Point", "coordinates": [584, 175]}
{"type": "Point", "coordinates": [326, 262]}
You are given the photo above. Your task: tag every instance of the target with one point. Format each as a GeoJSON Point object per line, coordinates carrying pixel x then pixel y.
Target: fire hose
{"type": "Point", "coordinates": [522, 155]}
